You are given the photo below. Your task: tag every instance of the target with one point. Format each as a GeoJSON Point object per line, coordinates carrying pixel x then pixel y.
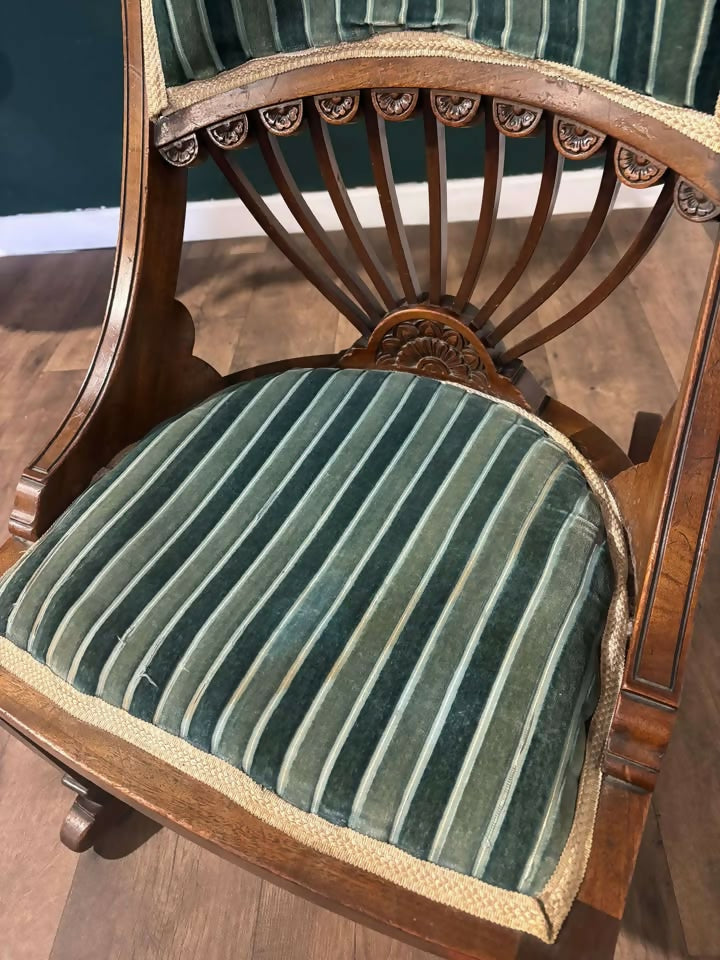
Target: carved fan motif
{"type": "Point", "coordinates": [454, 109]}
{"type": "Point", "coordinates": [283, 119]}
{"type": "Point", "coordinates": [430, 341]}
{"type": "Point", "coordinates": [576, 141]}
{"type": "Point", "coordinates": [230, 134]}
{"type": "Point", "coordinates": [434, 349]}
{"type": "Point", "coordinates": [395, 104]}
{"type": "Point", "coordinates": [515, 119]}
{"type": "Point", "coordinates": [637, 169]}
{"type": "Point", "coordinates": [338, 107]}
{"type": "Point", "coordinates": [693, 204]}
{"type": "Point", "coordinates": [183, 152]}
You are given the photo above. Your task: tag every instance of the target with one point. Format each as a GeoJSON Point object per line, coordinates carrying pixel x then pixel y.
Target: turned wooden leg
{"type": "Point", "coordinates": [645, 431]}
{"type": "Point", "coordinates": [92, 814]}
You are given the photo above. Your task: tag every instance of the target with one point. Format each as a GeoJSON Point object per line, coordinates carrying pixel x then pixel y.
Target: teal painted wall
{"type": "Point", "coordinates": [61, 119]}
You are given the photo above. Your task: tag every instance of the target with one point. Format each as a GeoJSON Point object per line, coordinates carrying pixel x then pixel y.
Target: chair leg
{"type": "Point", "coordinates": [645, 431]}
{"type": "Point", "coordinates": [92, 814]}
{"type": "Point", "coordinates": [587, 934]}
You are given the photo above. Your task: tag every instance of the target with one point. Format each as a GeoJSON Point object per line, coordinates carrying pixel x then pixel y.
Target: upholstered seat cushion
{"type": "Point", "coordinates": [380, 596]}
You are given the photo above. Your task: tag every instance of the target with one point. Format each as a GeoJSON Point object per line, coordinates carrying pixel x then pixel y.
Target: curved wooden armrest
{"type": "Point", "coordinates": [675, 498]}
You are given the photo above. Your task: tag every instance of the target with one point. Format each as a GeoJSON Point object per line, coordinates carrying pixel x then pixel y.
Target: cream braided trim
{"type": "Point", "coordinates": [154, 78]}
{"type": "Point", "coordinates": [702, 127]}
{"type": "Point", "coordinates": [541, 916]}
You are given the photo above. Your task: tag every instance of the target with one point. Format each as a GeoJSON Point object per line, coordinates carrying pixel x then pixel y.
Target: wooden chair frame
{"type": "Point", "coordinates": [144, 371]}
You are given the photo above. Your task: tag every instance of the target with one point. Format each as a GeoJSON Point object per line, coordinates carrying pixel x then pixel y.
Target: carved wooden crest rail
{"type": "Point", "coordinates": [365, 290]}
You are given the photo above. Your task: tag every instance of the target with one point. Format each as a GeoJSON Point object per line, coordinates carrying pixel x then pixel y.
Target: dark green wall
{"type": "Point", "coordinates": [60, 118]}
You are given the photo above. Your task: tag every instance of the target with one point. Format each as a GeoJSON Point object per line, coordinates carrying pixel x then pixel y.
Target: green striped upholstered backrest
{"type": "Point", "coordinates": [669, 49]}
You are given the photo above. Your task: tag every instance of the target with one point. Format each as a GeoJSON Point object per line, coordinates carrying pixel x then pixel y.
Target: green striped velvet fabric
{"type": "Point", "coordinates": [669, 49]}
{"type": "Point", "coordinates": [380, 596]}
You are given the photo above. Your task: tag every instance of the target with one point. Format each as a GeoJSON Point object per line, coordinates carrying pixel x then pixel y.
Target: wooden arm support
{"type": "Point", "coordinates": [678, 492]}
{"type": "Point", "coordinates": [143, 370]}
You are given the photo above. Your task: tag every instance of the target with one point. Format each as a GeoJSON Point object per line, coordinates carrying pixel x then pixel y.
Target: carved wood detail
{"type": "Point", "coordinates": [231, 133]}
{"type": "Point", "coordinates": [283, 119]}
{"type": "Point", "coordinates": [516, 119]}
{"type": "Point", "coordinates": [574, 140]}
{"type": "Point", "coordinates": [338, 107]}
{"type": "Point", "coordinates": [693, 204]}
{"type": "Point", "coordinates": [455, 109]}
{"type": "Point", "coordinates": [395, 104]}
{"type": "Point", "coordinates": [182, 153]}
{"type": "Point", "coordinates": [636, 169]}
{"type": "Point", "coordinates": [431, 342]}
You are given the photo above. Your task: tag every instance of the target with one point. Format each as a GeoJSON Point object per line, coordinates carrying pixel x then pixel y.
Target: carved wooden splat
{"type": "Point", "coordinates": [432, 342]}
{"type": "Point", "coordinates": [575, 140]}
{"type": "Point", "coordinates": [283, 119]}
{"type": "Point", "coordinates": [183, 152]}
{"type": "Point", "coordinates": [636, 169]}
{"type": "Point", "coordinates": [454, 109]}
{"type": "Point", "coordinates": [395, 104]}
{"type": "Point", "coordinates": [693, 204]}
{"type": "Point", "coordinates": [338, 107]}
{"type": "Point", "coordinates": [231, 133]}
{"type": "Point", "coordinates": [516, 119]}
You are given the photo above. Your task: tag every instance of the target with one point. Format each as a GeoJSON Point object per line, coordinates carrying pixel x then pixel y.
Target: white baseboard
{"type": "Point", "coordinates": [217, 219]}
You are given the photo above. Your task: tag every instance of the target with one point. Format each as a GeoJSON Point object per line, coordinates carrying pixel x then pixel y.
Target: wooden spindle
{"type": "Point", "coordinates": [606, 194]}
{"type": "Point", "coordinates": [549, 184]}
{"type": "Point", "coordinates": [385, 184]}
{"type": "Point", "coordinates": [269, 223]}
{"type": "Point", "coordinates": [642, 243]}
{"type": "Point", "coordinates": [492, 184]}
{"type": "Point", "coordinates": [436, 165]}
{"type": "Point", "coordinates": [309, 224]}
{"type": "Point", "coordinates": [332, 178]}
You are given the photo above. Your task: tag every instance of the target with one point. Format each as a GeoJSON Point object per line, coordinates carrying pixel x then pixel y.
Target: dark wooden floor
{"type": "Point", "coordinates": [169, 900]}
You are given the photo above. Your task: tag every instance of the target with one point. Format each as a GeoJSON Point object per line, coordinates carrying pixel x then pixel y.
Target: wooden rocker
{"type": "Point", "coordinates": [393, 627]}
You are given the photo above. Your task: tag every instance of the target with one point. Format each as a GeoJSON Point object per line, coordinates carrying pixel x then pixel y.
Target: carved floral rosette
{"type": "Point", "coordinates": [574, 140]}
{"type": "Point", "coordinates": [183, 152]}
{"type": "Point", "coordinates": [338, 107]}
{"type": "Point", "coordinates": [516, 119]}
{"type": "Point", "coordinates": [435, 346]}
{"type": "Point", "coordinates": [637, 169]}
{"type": "Point", "coordinates": [433, 349]}
{"type": "Point", "coordinates": [693, 204]}
{"type": "Point", "coordinates": [229, 134]}
{"type": "Point", "coordinates": [283, 119]}
{"type": "Point", "coordinates": [395, 104]}
{"type": "Point", "coordinates": [454, 109]}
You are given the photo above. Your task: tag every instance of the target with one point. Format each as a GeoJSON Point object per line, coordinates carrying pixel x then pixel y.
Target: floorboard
{"type": "Point", "coordinates": [166, 899]}
{"type": "Point", "coordinates": [294, 929]}
{"type": "Point", "coordinates": [36, 871]}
